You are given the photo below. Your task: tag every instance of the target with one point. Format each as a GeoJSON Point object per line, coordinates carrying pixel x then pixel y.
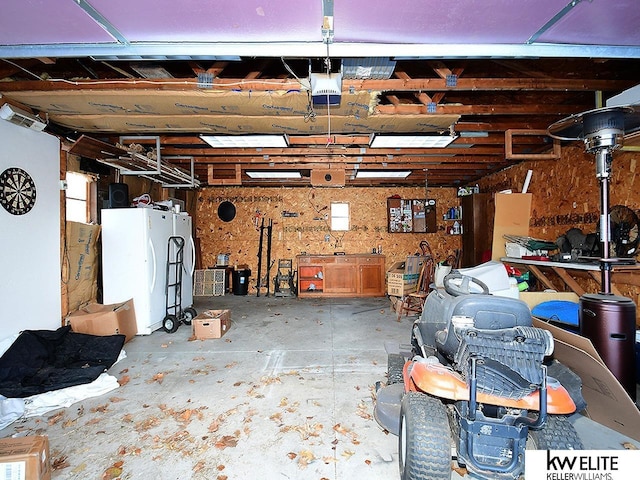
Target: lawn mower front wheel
{"type": "Point", "coordinates": [425, 438]}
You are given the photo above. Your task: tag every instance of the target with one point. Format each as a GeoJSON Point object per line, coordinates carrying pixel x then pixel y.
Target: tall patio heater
{"type": "Point", "coordinates": [608, 320]}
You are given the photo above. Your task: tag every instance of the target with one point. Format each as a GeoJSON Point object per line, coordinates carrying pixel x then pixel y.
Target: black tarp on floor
{"type": "Point", "coordinates": [44, 360]}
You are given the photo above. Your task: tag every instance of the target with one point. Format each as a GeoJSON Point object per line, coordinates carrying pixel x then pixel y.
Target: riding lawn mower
{"type": "Point", "coordinates": [477, 385]}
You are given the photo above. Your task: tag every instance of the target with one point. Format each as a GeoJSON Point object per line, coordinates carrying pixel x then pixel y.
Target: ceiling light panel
{"type": "Point", "coordinates": [273, 174]}
{"type": "Point", "coordinates": [383, 174]}
{"type": "Point", "coordinates": [411, 141]}
{"type": "Point", "coordinates": [246, 141]}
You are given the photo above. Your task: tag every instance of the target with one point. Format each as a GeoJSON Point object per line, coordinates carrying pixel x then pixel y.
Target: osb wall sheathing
{"type": "Point", "coordinates": [309, 230]}
{"type": "Point", "coordinates": [566, 194]}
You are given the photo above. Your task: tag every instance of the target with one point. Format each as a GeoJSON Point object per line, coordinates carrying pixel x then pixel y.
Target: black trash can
{"type": "Point", "coordinates": [241, 281]}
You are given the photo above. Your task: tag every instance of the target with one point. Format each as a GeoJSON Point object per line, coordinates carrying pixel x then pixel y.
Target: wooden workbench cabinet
{"type": "Point", "coordinates": [356, 275]}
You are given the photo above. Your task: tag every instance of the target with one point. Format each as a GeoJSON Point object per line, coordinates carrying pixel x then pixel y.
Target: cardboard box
{"type": "Point", "coordinates": [399, 281]}
{"type": "Point", "coordinates": [512, 215]}
{"type": "Point", "coordinates": [536, 298]}
{"type": "Point", "coordinates": [97, 319]}
{"type": "Point", "coordinates": [211, 324]}
{"type": "Point", "coordinates": [607, 401]}
{"type": "Point", "coordinates": [82, 252]}
{"type": "Point", "coordinates": [25, 458]}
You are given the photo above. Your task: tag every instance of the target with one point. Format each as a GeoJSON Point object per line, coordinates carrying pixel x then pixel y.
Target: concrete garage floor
{"type": "Point", "coordinates": [287, 393]}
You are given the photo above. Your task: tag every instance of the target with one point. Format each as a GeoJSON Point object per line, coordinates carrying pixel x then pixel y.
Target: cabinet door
{"type": "Point", "coordinates": [371, 279]}
{"type": "Point", "coordinates": [340, 278]}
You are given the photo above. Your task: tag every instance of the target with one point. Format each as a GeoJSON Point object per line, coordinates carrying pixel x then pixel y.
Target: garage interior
{"type": "Point", "coordinates": [134, 98]}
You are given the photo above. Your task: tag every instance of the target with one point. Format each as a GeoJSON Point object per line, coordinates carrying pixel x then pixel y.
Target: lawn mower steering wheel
{"type": "Point", "coordinates": [463, 287]}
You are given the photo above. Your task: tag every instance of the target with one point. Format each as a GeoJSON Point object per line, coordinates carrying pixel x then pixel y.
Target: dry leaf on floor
{"type": "Point", "coordinates": [69, 423]}
{"type": "Point", "coordinates": [459, 470]}
{"type": "Point", "coordinates": [268, 380]}
{"type": "Point", "coordinates": [226, 441]}
{"type": "Point", "coordinates": [221, 477]}
{"type": "Point", "coordinates": [128, 418]}
{"type": "Point", "coordinates": [220, 467]}
{"type": "Point", "coordinates": [231, 365]}
{"type": "Point", "coordinates": [276, 417]}
{"type": "Point", "coordinates": [116, 399]}
{"type": "Point", "coordinates": [348, 454]}
{"type": "Point", "coordinates": [198, 466]}
{"type": "Point", "coordinates": [124, 380]}
{"type": "Point", "coordinates": [305, 458]}
{"type": "Point", "coordinates": [306, 431]}
{"type": "Point", "coordinates": [113, 471]}
{"type": "Point", "coordinates": [124, 370]}
{"type": "Point", "coordinates": [363, 412]}
{"type": "Point", "coordinates": [100, 408]}
{"type": "Point", "coordinates": [53, 419]}
{"type": "Point", "coordinates": [629, 446]}
{"type": "Point", "coordinates": [158, 377]}
{"type": "Point", "coordinates": [58, 463]}
{"type": "Point", "coordinates": [147, 424]}
{"type": "Point", "coordinates": [368, 462]}
{"type": "Point", "coordinates": [292, 455]}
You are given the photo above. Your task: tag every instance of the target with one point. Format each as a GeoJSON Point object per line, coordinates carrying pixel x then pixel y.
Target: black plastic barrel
{"type": "Point", "coordinates": [609, 321]}
{"type": "Point", "coordinates": [241, 281]}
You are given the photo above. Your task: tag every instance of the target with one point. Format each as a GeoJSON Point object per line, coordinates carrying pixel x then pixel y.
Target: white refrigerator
{"type": "Point", "coordinates": [182, 228]}
{"type": "Point", "coordinates": [134, 261]}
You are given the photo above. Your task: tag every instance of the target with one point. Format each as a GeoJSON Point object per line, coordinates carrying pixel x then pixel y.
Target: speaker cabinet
{"type": "Point", "coordinates": [118, 195]}
{"type": "Point", "coordinates": [327, 178]}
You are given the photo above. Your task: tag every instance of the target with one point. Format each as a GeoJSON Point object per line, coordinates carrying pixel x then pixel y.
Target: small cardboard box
{"type": "Point", "coordinates": [211, 324]}
{"type": "Point", "coordinates": [399, 282]}
{"type": "Point", "coordinates": [98, 319]}
{"type": "Point", "coordinates": [25, 458]}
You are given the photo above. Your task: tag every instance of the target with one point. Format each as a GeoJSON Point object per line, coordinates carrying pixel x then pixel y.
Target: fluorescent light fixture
{"type": "Point", "coordinates": [472, 134]}
{"type": "Point", "coordinates": [246, 141]}
{"type": "Point", "coordinates": [21, 117]}
{"type": "Point", "coordinates": [376, 68]}
{"type": "Point", "coordinates": [410, 141]}
{"type": "Point", "coordinates": [383, 173]}
{"type": "Point", "coordinates": [275, 174]}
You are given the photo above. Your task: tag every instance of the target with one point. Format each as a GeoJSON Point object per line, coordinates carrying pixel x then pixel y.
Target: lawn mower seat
{"type": "Point", "coordinates": [481, 312]}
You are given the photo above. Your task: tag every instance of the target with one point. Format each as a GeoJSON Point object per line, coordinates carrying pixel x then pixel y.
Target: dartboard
{"type": "Point", "coordinates": [17, 191]}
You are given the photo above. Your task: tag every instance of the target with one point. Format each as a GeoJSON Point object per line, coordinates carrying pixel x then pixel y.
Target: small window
{"type": "Point", "coordinates": [78, 196]}
{"type": "Point", "coordinates": [339, 216]}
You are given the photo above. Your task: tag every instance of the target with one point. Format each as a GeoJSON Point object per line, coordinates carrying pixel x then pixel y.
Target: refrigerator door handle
{"type": "Point", "coordinates": [193, 255]}
{"type": "Point", "coordinates": [153, 262]}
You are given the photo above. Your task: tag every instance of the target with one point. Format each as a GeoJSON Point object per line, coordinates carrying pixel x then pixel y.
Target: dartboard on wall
{"type": "Point", "coordinates": [17, 191]}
